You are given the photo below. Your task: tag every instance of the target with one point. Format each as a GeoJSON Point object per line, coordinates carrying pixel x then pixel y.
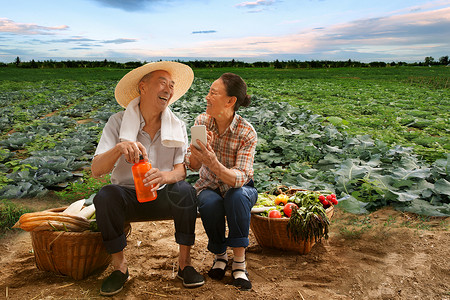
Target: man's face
{"type": "Point", "coordinates": [157, 90]}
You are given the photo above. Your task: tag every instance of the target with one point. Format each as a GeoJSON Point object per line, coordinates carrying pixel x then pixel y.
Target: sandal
{"type": "Point", "coordinates": [240, 283]}
{"type": "Point", "coordinates": [218, 273]}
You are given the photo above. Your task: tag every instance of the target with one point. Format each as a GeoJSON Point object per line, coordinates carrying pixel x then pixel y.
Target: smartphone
{"type": "Point", "coordinates": [198, 132]}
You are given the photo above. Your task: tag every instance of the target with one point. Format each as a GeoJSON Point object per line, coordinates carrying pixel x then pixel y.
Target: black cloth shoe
{"type": "Point", "coordinates": [113, 283]}
{"type": "Point", "coordinates": [240, 283]}
{"type": "Point", "coordinates": [217, 273]}
{"type": "Point", "coordinates": [190, 277]}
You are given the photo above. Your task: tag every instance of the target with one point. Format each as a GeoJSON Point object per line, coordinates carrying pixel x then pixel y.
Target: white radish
{"type": "Point", "coordinates": [74, 208]}
{"type": "Point", "coordinates": [87, 212]}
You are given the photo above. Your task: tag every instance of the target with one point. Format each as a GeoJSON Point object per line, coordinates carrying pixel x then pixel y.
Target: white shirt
{"type": "Point", "coordinates": [161, 157]}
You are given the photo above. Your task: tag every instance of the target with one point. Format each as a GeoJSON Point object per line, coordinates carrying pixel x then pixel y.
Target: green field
{"type": "Point", "coordinates": [346, 130]}
{"type": "Point", "coordinates": [404, 105]}
{"type": "Point", "coordinates": [399, 105]}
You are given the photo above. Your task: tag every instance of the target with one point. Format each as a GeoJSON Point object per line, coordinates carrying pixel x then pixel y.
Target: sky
{"type": "Point", "coordinates": [254, 30]}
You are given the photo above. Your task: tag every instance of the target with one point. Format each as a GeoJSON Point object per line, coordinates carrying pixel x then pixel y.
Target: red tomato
{"type": "Point", "coordinates": [288, 209]}
{"type": "Point", "coordinates": [333, 195]}
{"type": "Point", "coordinates": [325, 203]}
{"type": "Point", "coordinates": [321, 198]}
{"type": "Point", "coordinates": [334, 201]}
{"type": "Point", "coordinates": [274, 214]}
{"type": "Point", "coordinates": [329, 197]}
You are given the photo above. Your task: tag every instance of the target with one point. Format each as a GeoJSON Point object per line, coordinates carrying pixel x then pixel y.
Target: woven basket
{"type": "Point", "coordinates": [76, 254]}
{"type": "Point", "coordinates": [272, 233]}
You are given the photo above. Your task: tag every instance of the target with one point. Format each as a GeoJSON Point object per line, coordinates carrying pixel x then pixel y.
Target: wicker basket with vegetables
{"type": "Point", "coordinates": [292, 219]}
{"type": "Point", "coordinates": [66, 240]}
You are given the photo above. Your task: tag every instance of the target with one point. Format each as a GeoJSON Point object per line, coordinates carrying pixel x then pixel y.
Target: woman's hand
{"type": "Point", "coordinates": [210, 137]}
{"type": "Point", "coordinates": [205, 155]}
{"type": "Point", "coordinates": [131, 151]}
{"type": "Point", "coordinates": [195, 155]}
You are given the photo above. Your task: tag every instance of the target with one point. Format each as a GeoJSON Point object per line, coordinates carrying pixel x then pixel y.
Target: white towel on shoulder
{"type": "Point", "coordinates": [172, 134]}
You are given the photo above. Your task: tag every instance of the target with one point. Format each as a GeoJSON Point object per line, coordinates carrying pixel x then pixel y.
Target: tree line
{"type": "Point", "coordinates": [277, 64]}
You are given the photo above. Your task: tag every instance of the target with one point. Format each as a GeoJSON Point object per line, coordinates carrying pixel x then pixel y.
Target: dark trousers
{"type": "Point", "coordinates": [236, 205]}
{"type": "Point", "coordinates": [115, 205]}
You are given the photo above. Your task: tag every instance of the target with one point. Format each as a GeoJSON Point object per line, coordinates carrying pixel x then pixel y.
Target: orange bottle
{"type": "Point", "coordinates": [143, 193]}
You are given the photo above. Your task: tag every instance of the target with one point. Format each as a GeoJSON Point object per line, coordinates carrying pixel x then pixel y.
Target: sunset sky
{"type": "Point", "coordinates": [258, 30]}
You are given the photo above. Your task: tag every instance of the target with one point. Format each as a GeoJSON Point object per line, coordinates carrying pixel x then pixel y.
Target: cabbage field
{"type": "Point", "coordinates": [374, 137]}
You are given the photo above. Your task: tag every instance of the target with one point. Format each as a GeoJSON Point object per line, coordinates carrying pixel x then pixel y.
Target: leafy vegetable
{"type": "Point", "coordinates": [56, 126]}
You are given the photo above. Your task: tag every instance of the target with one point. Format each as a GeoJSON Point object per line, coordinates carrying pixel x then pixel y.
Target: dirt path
{"type": "Point", "coordinates": [385, 255]}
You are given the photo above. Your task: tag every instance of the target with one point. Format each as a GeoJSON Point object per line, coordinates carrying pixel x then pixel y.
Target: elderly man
{"type": "Point", "coordinates": [147, 127]}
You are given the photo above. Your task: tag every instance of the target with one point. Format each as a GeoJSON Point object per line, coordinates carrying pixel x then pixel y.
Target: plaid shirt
{"type": "Point", "coordinates": [235, 149]}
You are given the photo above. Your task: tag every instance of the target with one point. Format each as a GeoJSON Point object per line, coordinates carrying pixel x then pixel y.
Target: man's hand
{"type": "Point", "coordinates": [154, 178]}
{"type": "Point", "coordinates": [131, 151]}
{"type": "Point", "coordinates": [104, 163]}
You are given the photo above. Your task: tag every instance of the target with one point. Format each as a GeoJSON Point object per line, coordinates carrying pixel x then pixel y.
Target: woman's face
{"type": "Point", "coordinates": [217, 101]}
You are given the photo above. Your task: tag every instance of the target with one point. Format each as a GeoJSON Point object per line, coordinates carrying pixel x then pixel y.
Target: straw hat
{"type": "Point", "coordinates": [127, 88]}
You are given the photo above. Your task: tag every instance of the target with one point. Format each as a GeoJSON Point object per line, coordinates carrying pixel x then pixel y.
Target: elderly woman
{"type": "Point", "coordinates": [225, 187]}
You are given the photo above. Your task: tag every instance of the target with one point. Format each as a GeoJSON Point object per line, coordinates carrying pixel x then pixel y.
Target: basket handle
{"type": "Point", "coordinates": [49, 251]}
{"type": "Point", "coordinates": [271, 234]}
{"type": "Point", "coordinates": [332, 213]}
{"type": "Point", "coordinates": [54, 240]}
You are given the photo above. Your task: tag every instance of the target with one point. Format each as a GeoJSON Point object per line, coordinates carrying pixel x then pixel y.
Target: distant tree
{"type": "Point", "coordinates": [444, 60]}
{"type": "Point", "coordinates": [303, 65]}
{"type": "Point", "coordinates": [277, 64]}
{"type": "Point", "coordinates": [292, 64]}
{"type": "Point", "coordinates": [429, 60]}
{"type": "Point", "coordinates": [17, 62]}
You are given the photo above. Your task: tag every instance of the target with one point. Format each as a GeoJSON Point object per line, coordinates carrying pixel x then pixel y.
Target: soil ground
{"type": "Point", "coordinates": [384, 255]}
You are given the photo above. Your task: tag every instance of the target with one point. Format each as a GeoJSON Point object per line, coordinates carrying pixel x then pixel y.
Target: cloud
{"type": "Point", "coordinates": [128, 5]}
{"type": "Point", "coordinates": [83, 41]}
{"type": "Point", "coordinates": [204, 31]}
{"type": "Point", "coordinates": [255, 11]}
{"type": "Point", "coordinates": [75, 39]}
{"type": "Point", "coordinates": [408, 34]}
{"type": "Point", "coordinates": [259, 43]}
{"type": "Point", "coordinates": [255, 3]}
{"type": "Point", "coordinates": [119, 41]}
{"type": "Point", "coordinates": [7, 25]}
{"type": "Point", "coordinates": [142, 5]}
{"type": "Point", "coordinates": [417, 27]}
{"type": "Point", "coordinates": [15, 52]}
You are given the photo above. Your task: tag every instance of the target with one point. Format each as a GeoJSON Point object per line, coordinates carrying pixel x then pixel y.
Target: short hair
{"type": "Point", "coordinates": [143, 79]}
